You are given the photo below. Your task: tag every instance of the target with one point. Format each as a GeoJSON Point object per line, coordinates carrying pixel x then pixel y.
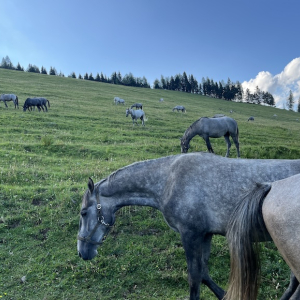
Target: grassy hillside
{"type": "Point", "coordinates": [45, 162]}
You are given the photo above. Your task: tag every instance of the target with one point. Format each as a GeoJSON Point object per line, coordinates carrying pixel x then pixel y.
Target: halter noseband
{"type": "Point", "coordinates": [88, 239]}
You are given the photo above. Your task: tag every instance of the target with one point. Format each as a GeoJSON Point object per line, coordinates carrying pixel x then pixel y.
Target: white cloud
{"type": "Point", "coordinates": [279, 85]}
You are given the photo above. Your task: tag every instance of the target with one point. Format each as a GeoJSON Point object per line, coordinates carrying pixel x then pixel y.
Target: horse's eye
{"type": "Point", "coordinates": [83, 213]}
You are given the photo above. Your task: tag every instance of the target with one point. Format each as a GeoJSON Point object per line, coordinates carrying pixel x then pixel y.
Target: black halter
{"type": "Point", "coordinates": [88, 239]}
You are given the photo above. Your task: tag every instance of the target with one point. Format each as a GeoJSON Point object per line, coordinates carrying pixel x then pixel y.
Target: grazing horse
{"type": "Point", "coordinates": [43, 102]}
{"type": "Point", "coordinates": [118, 100]}
{"type": "Point", "coordinates": [40, 102]}
{"type": "Point", "coordinates": [32, 102]}
{"type": "Point", "coordinates": [195, 192]}
{"type": "Point", "coordinates": [136, 114]}
{"type": "Point", "coordinates": [179, 108]}
{"type": "Point", "coordinates": [10, 97]}
{"type": "Point", "coordinates": [137, 106]}
{"type": "Point", "coordinates": [214, 128]}
{"type": "Point", "coordinates": [251, 118]}
{"type": "Point", "coordinates": [267, 211]}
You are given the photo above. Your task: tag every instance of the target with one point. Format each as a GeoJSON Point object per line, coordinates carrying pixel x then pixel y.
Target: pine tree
{"type": "Point", "coordinates": [19, 67]}
{"type": "Point", "coordinates": [298, 108]}
{"type": "Point", "coordinates": [91, 76]}
{"type": "Point", "coordinates": [52, 71]}
{"type": "Point", "coordinates": [43, 71]}
{"type": "Point", "coordinates": [290, 101]}
{"type": "Point", "coordinates": [97, 77]}
{"type": "Point", "coordinates": [6, 63]}
{"type": "Point", "coordinates": [156, 84]}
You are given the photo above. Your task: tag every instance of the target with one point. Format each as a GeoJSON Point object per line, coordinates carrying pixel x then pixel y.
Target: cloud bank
{"type": "Point", "coordinates": [279, 85]}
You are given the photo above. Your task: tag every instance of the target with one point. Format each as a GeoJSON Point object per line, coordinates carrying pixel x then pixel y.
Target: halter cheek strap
{"type": "Point", "coordinates": [100, 221]}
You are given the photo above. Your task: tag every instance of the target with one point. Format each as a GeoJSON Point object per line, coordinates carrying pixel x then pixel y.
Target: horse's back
{"type": "Point", "coordinates": [281, 211]}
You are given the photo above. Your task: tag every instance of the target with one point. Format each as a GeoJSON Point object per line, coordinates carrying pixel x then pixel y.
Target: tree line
{"type": "Point", "coordinates": [229, 91]}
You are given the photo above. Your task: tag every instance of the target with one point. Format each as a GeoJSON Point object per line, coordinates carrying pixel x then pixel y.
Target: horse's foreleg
{"type": "Point", "coordinates": [193, 250]}
{"type": "Point", "coordinates": [5, 104]}
{"type": "Point", "coordinates": [208, 144]}
{"type": "Point", "coordinates": [226, 136]}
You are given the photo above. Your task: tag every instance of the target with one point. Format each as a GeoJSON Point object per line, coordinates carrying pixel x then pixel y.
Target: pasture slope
{"type": "Point", "coordinates": [45, 162]}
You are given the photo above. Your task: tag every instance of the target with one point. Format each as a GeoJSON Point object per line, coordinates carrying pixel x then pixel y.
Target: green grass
{"type": "Point", "coordinates": [45, 162]}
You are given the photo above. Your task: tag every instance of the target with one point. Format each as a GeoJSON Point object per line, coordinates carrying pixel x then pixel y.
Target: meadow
{"type": "Point", "coordinates": [47, 158]}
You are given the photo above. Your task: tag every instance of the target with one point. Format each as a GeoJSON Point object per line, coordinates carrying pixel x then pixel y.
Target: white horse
{"type": "Point", "coordinates": [10, 97]}
{"type": "Point", "coordinates": [136, 114]}
{"type": "Point", "coordinates": [118, 100]}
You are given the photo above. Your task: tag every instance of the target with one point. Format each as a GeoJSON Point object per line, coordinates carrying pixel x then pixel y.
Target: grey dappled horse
{"type": "Point", "coordinates": [269, 211]}
{"type": "Point", "coordinates": [118, 100]}
{"type": "Point", "coordinates": [136, 114]}
{"type": "Point", "coordinates": [195, 192]}
{"type": "Point", "coordinates": [39, 102]}
{"type": "Point", "coordinates": [10, 97]}
{"type": "Point", "coordinates": [214, 128]}
{"type": "Point", "coordinates": [179, 108]}
{"type": "Point", "coordinates": [137, 105]}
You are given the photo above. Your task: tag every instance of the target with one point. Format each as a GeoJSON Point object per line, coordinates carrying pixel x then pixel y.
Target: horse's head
{"type": "Point", "coordinates": [128, 111]}
{"type": "Point", "coordinates": [184, 145]}
{"type": "Point", "coordinates": [95, 222]}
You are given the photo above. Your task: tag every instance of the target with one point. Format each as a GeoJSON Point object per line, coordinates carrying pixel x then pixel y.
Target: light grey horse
{"type": "Point", "coordinates": [136, 114]}
{"type": "Point", "coordinates": [10, 97]}
{"type": "Point", "coordinates": [118, 100]}
{"type": "Point", "coordinates": [179, 108]}
{"type": "Point", "coordinates": [266, 211]}
{"type": "Point", "coordinates": [214, 128]}
{"type": "Point", "coordinates": [195, 192]}
{"type": "Point", "coordinates": [137, 105]}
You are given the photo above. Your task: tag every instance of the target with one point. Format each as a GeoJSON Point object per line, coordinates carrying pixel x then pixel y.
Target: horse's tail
{"type": "Point", "coordinates": [237, 133]}
{"type": "Point", "coordinates": [245, 226]}
{"type": "Point", "coordinates": [17, 101]}
{"type": "Point", "coordinates": [48, 103]}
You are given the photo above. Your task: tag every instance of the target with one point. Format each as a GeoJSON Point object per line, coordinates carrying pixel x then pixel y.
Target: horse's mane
{"type": "Point", "coordinates": [191, 127]}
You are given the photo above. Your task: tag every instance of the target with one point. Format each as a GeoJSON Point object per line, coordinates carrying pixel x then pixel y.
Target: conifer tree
{"type": "Point", "coordinates": [290, 101]}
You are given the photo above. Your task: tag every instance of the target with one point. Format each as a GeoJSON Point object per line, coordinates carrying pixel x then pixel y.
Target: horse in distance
{"type": "Point", "coordinates": [135, 115]}
{"type": "Point", "coordinates": [10, 97]}
{"type": "Point", "coordinates": [179, 108]}
{"type": "Point", "coordinates": [31, 103]}
{"type": "Point", "coordinates": [178, 187]}
{"type": "Point", "coordinates": [137, 105]}
{"type": "Point", "coordinates": [118, 100]}
{"type": "Point", "coordinates": [214, 128]}
{"type": "Point", "coordinates": [251, 118]}
{"type": "Point", "coordinates": [268, 211]}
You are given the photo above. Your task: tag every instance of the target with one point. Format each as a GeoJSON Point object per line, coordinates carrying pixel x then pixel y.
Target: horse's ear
{"type": "Point", "coordinates": [91, 185]}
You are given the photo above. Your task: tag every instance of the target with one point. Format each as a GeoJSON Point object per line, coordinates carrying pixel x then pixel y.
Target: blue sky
{"type": "Point", "coordinates": [253, 42]}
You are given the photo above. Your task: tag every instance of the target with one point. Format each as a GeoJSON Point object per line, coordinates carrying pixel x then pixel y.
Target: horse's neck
{"type": "Point", "coordinates": [138, 184]}
{"type": "Point", "coordinates": [190, 133]}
